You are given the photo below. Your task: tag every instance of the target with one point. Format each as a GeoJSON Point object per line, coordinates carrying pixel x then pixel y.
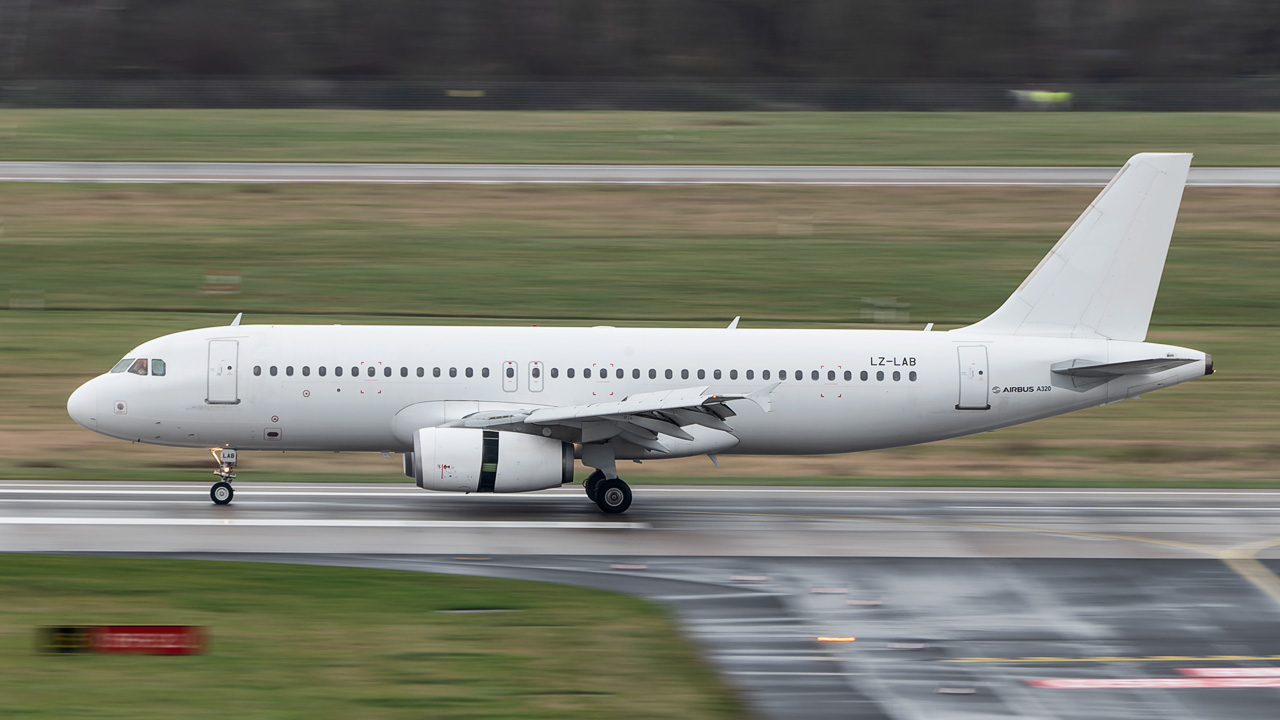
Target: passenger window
{"type": "Point", "coordinates": [586, 372]}
{"type": "Point", "coordinates": [453, 372]}
{"type": "Point", "coordinates": [684, 374]}
{"type": "Point", "coordinates": [322, 370]}
{"type": "Point", "coordinates": [702, 374]}
{"type": "Point", "coordinates": [879, 374]}
{"type": "Point", "coordinates": [668, 373]}
{"type": "Point", "coordinates": [257, 369]}
{"type": "Point", "coordinates": [337, 371]}
{"type": "Point", "coordinates": [897, 376]}
{"type": "Point", "coordinates": [555, 372]}
{"type": "Point", "coordinates": [370, 371]}
{"type": "Point", "coordinates": [511, 372]}
{"type": "Point", "coordinates": [404, 372]}
{"type": "Point", "coordinates": [635, 374]}
{"type": "Point", "coordinates": [422, 372]}
{"type": "Point", "coordinates": [273, 371]}
{"type": "Point", "coordinates": [157, 368]}
{"type": "Point", "coordinates": [862, 375]}
{"type": "Point", "coordinates": [912, 376]}
{"type": "Point", "coordinates": [620, 373]}
{"type": "Point", "coordinates": [716, 374]}
{"type": "Point", "coordinates": [470, 372]}
{"type": "Point", "coordinates": [848, 375]}
{"type": "Point", "coordinates": [306, 371]}
{"type": "Point", "coordinates": [289, 371]}
{"type": "Point", "coordinates": [653, 374]}
{"type": "Point", "coordinates": [139, 367]}
{"type": "Point", "coordinates": [122, 365]}
{"type": "Point", "coordinates": [386, 371]}
{"type": "Point", "coordinates": [782, 374]}
{"type": "Point", "coordinates": [355, 371]}
{"type": "Point", "coordinates": [435, 372]}
{"type": "Point", "coordinates": [536, 372]}
{"type": "Point", "coordinates": [800, 375]}
{"type": "Point", "coordinates": [484, 372]}
{"type": "Point", "coordinates": [568, 373]}
{"type": "Point", "coordinates": [764, 375]}
{"type": "Point", "coordinates": [831, 374]}
{"type": "Point", "coordinates": [815, 375]}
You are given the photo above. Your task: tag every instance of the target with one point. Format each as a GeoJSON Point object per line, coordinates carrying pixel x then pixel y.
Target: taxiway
{"type": "Point", "coordinates": [209, 172]}
{"type": "Point", "coordinates": [814, 602]}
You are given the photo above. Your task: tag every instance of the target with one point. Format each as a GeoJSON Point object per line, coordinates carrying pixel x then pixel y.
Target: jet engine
{"type": "Point", "coordinates": [472, 460]}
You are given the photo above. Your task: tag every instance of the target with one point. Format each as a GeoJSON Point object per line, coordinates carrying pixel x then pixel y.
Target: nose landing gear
{"type": "Point", "coordinates": [221, 492]}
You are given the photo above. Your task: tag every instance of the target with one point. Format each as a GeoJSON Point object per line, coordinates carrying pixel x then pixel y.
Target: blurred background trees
{"type": "Point", "coordinates": [1020, 40]}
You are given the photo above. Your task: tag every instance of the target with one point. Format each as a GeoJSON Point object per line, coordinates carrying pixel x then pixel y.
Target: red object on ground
{"type": "Point", "coordinates": [147, 639]}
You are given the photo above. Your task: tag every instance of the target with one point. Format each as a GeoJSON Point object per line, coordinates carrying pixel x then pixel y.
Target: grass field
{"type": "Point", "coordinates": [315, 642]}
{"type": "Point", "coordinates": [118, 265]}
{"type": "Point", "coordinates": [636, 137]}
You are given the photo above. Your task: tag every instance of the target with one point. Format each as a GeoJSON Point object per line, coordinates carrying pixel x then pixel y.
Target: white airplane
{"type": "Point", "coordinates": [508, 409]}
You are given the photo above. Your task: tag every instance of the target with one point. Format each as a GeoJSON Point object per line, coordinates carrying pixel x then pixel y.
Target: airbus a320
{"type": "Point", "coordinates": [510, 409]}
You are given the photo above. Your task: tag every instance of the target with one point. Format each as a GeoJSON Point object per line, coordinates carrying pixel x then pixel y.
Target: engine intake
{"type": "Point", "coordinates": [473, 460]}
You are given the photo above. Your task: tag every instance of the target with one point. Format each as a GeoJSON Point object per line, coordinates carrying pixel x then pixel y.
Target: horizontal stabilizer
{"type": "Point", "coordinates": [1091, 369]}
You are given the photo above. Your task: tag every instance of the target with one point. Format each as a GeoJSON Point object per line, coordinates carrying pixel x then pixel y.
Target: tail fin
{"type": "Point", "coordinates": [1101, 279]}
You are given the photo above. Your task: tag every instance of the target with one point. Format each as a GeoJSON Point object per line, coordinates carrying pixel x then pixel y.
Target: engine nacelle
{"type": "Point", "coordinates": [474, 460]}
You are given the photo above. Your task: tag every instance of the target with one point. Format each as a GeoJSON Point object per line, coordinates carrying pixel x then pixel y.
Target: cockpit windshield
{"type": "Point", "coordinates": [138, 366]}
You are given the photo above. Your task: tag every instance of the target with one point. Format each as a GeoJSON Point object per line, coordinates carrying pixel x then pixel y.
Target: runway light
{"type": "Point", "coordinates": [829, 638]}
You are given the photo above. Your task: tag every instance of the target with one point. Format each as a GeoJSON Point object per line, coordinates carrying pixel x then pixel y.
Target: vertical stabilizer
{"type": "Point", "coordinates": [1101, 279]}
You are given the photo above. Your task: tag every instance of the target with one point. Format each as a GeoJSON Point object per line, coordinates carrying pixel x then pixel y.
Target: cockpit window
{"type": "Point", "coordinates": [139, 367]}
{"type": "Point", "coordinates": [157, 367]}
{"type": "Point", "coordinates": [122, 365]}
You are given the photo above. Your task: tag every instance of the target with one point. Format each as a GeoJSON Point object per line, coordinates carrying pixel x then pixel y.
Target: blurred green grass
{"type": "Point", "coordinates": [785, 138]}
{"type": "Point", "coordinates": [294, 641]}
{"type": "Point", "coordinates": [117, 265]}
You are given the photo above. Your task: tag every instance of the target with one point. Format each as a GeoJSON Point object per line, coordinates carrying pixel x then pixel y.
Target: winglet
{"type": "Point", "coordinates": [236, 322]}
{"type": "Point", "coordinates": [761, 397]}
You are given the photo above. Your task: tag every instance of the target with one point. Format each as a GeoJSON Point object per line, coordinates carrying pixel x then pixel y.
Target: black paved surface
{"type": "Point", "coordinates": [958, 599]}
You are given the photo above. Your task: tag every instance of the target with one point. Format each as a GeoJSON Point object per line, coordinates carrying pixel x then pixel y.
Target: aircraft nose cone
{"type": "Point", "coordinates": [82, 406]}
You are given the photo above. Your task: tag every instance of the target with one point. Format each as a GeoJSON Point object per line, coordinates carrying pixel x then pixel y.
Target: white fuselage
{"type": "Point", "coordinates": [260, 386]}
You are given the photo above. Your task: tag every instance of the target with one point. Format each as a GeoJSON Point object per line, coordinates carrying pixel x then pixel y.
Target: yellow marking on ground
{"type": "Point", "coordinates": [1119, 658]}
{"type": "Point", "coordinates": [1243, 559]}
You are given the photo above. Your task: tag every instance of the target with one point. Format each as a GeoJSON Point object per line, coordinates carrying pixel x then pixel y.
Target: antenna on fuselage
{"type": "Point", "coordinates": [236, 322]}
{"type": "Point", "coordinates": [734, 325]}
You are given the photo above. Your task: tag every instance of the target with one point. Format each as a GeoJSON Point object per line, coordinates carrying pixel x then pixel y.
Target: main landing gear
{"type": "Point", "coordinates": [221, 492]}
{"type": "Point", "coordinates": [612, 495]}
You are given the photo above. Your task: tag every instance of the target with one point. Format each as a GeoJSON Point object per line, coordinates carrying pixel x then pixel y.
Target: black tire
{"type": "Point", "coordinates": [591, 483]}
{"type": "Point", "coordinates": [613, 496]}
{"type": "Point", "coordinates": [221, 493]}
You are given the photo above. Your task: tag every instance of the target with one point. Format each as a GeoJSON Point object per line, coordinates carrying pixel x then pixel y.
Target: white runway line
{"type": "Point", "coordinates": [327, 490]}
{"type": "Point", "coordinates": [328, 522]}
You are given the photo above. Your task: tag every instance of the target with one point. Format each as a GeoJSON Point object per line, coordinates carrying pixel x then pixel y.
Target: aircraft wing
{"type": "Point", "coordinates": [638, 419]}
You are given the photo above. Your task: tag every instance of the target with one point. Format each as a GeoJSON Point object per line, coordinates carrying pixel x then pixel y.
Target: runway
{"type": "Point", "coordinates": [494, 174]}
{"type": "Point", "coordinates": [813, 602]}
